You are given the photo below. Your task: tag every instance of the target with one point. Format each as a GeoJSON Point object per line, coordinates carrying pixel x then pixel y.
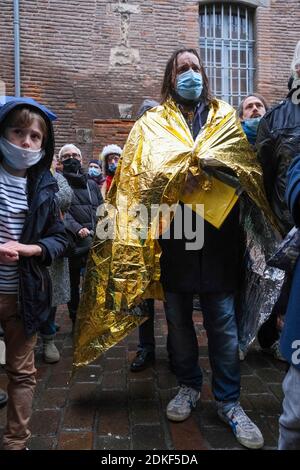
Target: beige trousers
{"type": "Point", "coordinates": [21, 374]}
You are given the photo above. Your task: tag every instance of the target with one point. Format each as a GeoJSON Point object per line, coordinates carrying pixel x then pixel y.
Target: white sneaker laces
{"type": "Point", "coordinates": [242, 419]}
{"type": "Point", "coordinates": [183, 395]}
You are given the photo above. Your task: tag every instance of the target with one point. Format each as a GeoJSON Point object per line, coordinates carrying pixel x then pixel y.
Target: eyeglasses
{"type": "Point", "coordinates": [70, 155]}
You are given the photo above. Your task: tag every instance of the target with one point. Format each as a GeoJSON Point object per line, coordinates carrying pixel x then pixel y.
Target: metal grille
{"type": "Point", "coordinates": [226, 46]}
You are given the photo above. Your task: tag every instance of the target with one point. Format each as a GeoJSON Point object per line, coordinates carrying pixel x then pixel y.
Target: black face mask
{"type": "Point", "coordinates": [71, 165]}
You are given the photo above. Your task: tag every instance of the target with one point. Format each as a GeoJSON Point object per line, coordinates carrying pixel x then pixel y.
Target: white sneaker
{"type": "Point", "coordinates": [245, 431]}
{"type": "Point", "coordinates": [180, 407]}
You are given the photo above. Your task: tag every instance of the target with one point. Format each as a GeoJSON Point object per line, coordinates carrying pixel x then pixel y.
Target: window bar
{"type": "Point", "coordinates": [214, 49]}
{"type": "Point", "coordinates": [230, 52]}
{"type": "Point", "coordinates": [247, 52]}
{"type": "Point", "coordinates": [224, 74]}
{"type": "Point", "coordinates": [239, 53]}
{"type": "Point", "coordinates": [205, 39]}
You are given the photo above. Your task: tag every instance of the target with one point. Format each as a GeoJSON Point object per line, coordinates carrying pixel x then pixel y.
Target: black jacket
{"type": "Point", "coordinates": [42, 226]}
{"type": "Point", "coordinates": [214, 268]}
{"type": "Point", "coordinates": [86, 200]}
{"type": "Point", "coordinates": [278, 141]}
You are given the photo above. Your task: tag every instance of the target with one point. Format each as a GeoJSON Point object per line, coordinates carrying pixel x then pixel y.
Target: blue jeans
{"type": "Point", "coordinates": [146, 330]}
{"type": "Point", "coordinates": [221, 328]}
{"type": "Point", "coordinates": [48, 327]}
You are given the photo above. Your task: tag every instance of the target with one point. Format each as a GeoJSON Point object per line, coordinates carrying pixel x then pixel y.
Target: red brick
{"type": "Point", "coordinates": [187, 436]}
{"type": "Point", "coordinates": [75, 441]}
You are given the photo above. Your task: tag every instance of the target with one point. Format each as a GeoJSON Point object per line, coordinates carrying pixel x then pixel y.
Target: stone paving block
{"type": "Point", "coordinates": [3, 381]}
{"type": "Point", "coordinates": [79, 417]}
{"type": "Point", "coordinates": [270, 439]}
{"type": "Point", "coordinates": [142, 389]}
{"type": "Point", "coordinates": [41, 443]}
{"type": "Point", "coordinates": [245, 368]}
{"type": "Point", "coordinates": [63, 366]}
{"type": "Point", "coordinates": [252, 384]}
{"type": "Point", "coordinates": [84, 393]}
{"type": "Point", "coordinates": [256, 359]}
{"type": "Point", "coordinates": [145, 412]}
{"type": "Point", "coordinates": [114, 364]}
{"type": "Point", "coordinates": [148, 438]}
{"type": "Point", "coordinates": [167, 381]}
{"type": "Point", "coordinates": [187, 436]}
{"type": "Point", "coordinates": [114, 381]}
{"type": "Point", "coordinates": [75, 441]}
{"type": "Point", "coordinates": [206, 416]}
{"type": "Point", "coordinates": [146, 374]}
{"type": "Point", "coordinates": [273, 423]}
{"type": "Point", "coordinates": [112, 443]}
{"type": "Point", "coordinates": [42, 371]}
{"type": "Point", "coordinates": [270, 375]}
{"type": "Point", "coordinates": [45, 422]}
{"type": "Point", "coordinates": [113, 420]}
{"type": "Point", "coordinates": [2, 417]}
{"type": "Point", "coordinates": [276, 389]}
{"type": "Point", "coordinates": [265, 404]}
{"type": "Point", "coordinates": [118, 410]}
{"type": "Point", "coordinates": [59, 380]}
{"type": "Point", "coordinates": [206, 393]}
{"type": "Point", "coordinates": [116, 352]}
{"type": "Point", "coordinates": [51, 399]}
{"type": "Point", "coordinates": [221, 438]}
{"type": "Point", "coordinates": [89, 374]}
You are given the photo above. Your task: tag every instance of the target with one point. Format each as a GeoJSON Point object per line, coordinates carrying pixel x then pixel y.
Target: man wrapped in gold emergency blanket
{"type": "Point", "coordinates": [124, 269]}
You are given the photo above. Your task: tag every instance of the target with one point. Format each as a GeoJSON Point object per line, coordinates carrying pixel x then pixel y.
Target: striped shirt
{"type": "Point", "coordinates": [13, 210]}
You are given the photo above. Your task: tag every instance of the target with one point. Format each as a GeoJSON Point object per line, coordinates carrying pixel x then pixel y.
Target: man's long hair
{"type": "Point", "coordinates": [166, 88]}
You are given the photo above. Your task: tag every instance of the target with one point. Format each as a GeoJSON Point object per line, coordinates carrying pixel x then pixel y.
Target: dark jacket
{"type": "Point", "coordinates": [42, 226]}
{"type": "Point", "coordinates": [214, 268]}
{"type": "Point", "coordinates": [82, 212]}
{"type": "Point", "coordinates": [290, 336]}
{"type": "Point", "coordinates": [278, 140]}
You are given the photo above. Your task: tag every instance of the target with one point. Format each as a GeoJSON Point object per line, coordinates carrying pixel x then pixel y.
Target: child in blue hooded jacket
{"type": "Point", "coordinates": [31, 236]}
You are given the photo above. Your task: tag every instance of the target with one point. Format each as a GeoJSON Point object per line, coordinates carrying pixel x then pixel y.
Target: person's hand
{"type": "Point", "coordinates": [22, 249]}
{"type": "Point", "coordinates": [83, 232]}
{"type": "Point", "coordinates": [7, 254]}
{"type": "Point", "coordinates": [191, 183]}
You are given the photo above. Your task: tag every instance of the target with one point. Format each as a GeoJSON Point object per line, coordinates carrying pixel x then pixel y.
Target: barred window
{"type": "Point", "coordinates": [227, 48]}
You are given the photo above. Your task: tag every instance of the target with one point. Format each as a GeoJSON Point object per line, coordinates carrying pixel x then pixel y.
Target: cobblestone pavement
{"type": "Point", "coordinates": [105, 406]}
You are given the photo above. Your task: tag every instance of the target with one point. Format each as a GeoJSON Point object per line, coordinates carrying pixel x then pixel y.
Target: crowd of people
{"type": "Point", "coordinates": [48, 220]}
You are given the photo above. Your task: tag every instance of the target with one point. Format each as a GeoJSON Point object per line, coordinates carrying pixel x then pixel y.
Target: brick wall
{"type": "Point", "coordinates": [97, 59]}
{"type": "Point", "coordinates": [110, 131]}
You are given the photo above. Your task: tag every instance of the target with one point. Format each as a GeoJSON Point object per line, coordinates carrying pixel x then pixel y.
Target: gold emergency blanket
{"type": "Point", "coordinates": [156, 158]}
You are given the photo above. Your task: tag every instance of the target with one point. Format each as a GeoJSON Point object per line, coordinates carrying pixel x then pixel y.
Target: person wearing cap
{"type": "Point", "coordinates": [95, 172]}
{"type": "Point", "coordinates": [32, 235]}
{"type": "Point", "coordinates": [80, 219]}
{"type": "Point", "coordinates": [110, 156]}
{"type": "Point", "coordinates": [277, 144]}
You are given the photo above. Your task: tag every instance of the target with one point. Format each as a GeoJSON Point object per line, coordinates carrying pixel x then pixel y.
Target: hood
{"type": "Point", "coordinates": [10, 103]}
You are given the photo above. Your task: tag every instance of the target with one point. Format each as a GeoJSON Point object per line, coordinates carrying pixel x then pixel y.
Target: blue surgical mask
{"type": "Point", "coordinates": [250, 127]}
{"type": "Point", "coordinates": [189, 85]}
{"type": "Point", "coordinates": [94, 172]}
{"type": "Point", "coordinates": [252, 123]}
{"type": "Point", "coordinates": [112, 167]}
{"type": "Point", "coordinates": [18, 157]}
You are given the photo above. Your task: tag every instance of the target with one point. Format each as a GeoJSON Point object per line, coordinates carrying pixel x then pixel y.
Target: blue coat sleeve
{"type": "Point", "coordinates": [54, 241]}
